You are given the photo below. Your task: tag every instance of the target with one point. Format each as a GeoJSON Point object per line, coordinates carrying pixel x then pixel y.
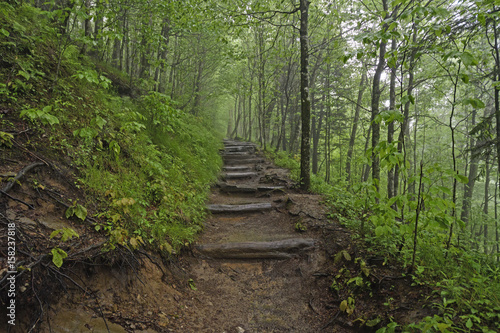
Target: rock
{"type": "Point", "coordinates": [25, 220]}
{"type": "Point", "coordinates": [11, 215]}
{"type": "Point", "coordinates": [240, 330]}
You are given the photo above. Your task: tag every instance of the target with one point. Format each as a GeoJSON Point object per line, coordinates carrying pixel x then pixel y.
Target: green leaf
{"type": "Point", "coordinates": [192, 285]}
{"type": "Point", "coordinates": [464, 78]}
{"type": "Point", "coordinates": [468, 59]}
{"type": "Point", "coordinates": [57, 256]}
{"type": "Point", "coordinates": [4, 32]}
{"type": "Point", "coordinates": [81, 212]}
{"type": "Point", "coordinates": [373, 322]}
{"type": "Point", "coordinates": [469, 324]}
{"type": "Point", "coordinates": [343, 306]}
{"type": "Point", "coordinates": [70, 212]}
{"type": "Point", "coordinates": [474, 102]}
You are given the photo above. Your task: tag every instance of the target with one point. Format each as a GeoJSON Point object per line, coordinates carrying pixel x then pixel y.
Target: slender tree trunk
{"type": "Point", "coordinates": [390, 128]}
{"type": "Point", "coordinates": [486, 202]}
{"type": "Point", "coordinates": [305, 180]}
{"type": "Point", "coordinates": [350, 150]}
{"type": "Point", "coordinates": [469, 187]}
{"type": "Point", "coordinates": [375, 125]}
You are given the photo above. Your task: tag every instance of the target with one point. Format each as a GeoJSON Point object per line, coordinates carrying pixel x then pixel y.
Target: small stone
{"type": "Point", "coordinates": [11, 215]}
{"type": "Point", "coordinates": [150, 313]}
{"type": "Point", "coordinates": [26, 220]}
{"type": "Point", "coordinates": [240, 330]}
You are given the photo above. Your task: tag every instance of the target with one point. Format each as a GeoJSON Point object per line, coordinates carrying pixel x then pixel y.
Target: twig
{"type": "Point", "coordinates": [331, 320]}
{"type": "Point", "coordinates": [16, 199]}
{"type": "Point", "coordinates": [20, 174]}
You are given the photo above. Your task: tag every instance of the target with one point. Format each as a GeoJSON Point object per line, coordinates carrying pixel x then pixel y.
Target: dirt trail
{"type": "Point", "coordinates": [274, 284]}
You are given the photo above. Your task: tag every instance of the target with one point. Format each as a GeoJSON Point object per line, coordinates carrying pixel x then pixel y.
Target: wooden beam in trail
{"type": "Point", "coordinates": [239, 208]}
{"type": "Point", "coordinates": [257, 250]}
{"type": "Point", "coordinates": [247, 189]}
{"type": "Point", "coordinates": [237, 153]}
{"type": "Point", "coordinates": [240, 168]}
{"type": "Point", "coordinates": [231, 157]}
{"type": "Point", "coordinates": [239, 175]}
{"type": "Point", "coordinates": [243, 161]}
{"type": "Point", "coordinates": [239, 148]}
{"type": "Point", "coordinates": [238, 143]}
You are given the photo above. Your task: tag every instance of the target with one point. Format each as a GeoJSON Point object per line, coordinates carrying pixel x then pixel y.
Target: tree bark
{"type": "Point", "coordinates": [375, 104]}
{"type": "Point", "coordinates": [305, 180]}
{"type": "Point", "coordinates": [352, 140]}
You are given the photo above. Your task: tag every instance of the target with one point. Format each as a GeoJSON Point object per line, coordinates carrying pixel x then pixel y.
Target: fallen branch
{"type": "Point", "coordinates": [20, 174]}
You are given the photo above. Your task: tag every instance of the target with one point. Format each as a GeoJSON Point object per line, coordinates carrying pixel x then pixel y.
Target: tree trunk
{"type": "Point", "coordinates": [305, 180]}
{"type": "Point", "coordinates": [486, 202]}
{"type": "Point", "coordinates": [390, 128]}
{"type": "Point", "coordinates": [375, 126]}
{"type": "Point", "coordinates": [469, 187]}
{"type": "Point", "coordinates": [352, 140]}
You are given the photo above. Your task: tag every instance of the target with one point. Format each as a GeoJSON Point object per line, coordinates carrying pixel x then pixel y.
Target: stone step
{"type": "Point", "coordinates": [239, 175]}
{"type": "Point", "coordinates": [214, 209]}
{"type": "Point", "coordinates": [281, 249]}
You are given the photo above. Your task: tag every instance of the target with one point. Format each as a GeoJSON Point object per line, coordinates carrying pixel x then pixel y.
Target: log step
{"type": "Point", "coordinates": [238, 168]}
{"type": "Point", "coordinates": [238, 143]}
{"type": "Point", "coordinates": [239, 208]}
{"type": "Point", "coordinates": [257, 250]}
{"type": "Point", "coordinates": [238, 157]}
{"type": "Point", "coordinates": [239, 148]}
{"type": "Point", "coordinates": [243, 161]}
{"type": "Point", "coordinates": [247, 189]}
{"type": "Point", "coordinates": [236, 153]}
{"type": "Point", "coordinates": [239, 175]}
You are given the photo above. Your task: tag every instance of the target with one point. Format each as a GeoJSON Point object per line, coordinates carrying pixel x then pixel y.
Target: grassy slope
{"type": "Point", "coordinates": [145, 166]}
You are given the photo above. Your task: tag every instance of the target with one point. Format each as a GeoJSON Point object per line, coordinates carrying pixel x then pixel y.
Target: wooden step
{"type": "Point", "coordinates": [231, 157]}
{"type": "Point", "coordinates": [281, 249]}
{"type": "Point", "coordinates": [238, 143]}
{"type": "Point", "coordinates": [241, 168]}
{"type": "Point", "coordinates": [239, 148]}
{"type": "Point", "coordinates": [243, 161]}
{"type": "Point", "coordinates": [236, 153]}
{"type": "Point", "coordinates": [239, 208]}
{"type": "Point", "coordinates": [239, 175]}
{"type": "Point", "coordinates": [227, 188]}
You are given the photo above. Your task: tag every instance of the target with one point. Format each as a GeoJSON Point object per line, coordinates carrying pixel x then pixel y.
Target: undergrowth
{"type": "Point", "coordinates": [146, 164]}
{"type": "Point", "coordinates": [465, 281]}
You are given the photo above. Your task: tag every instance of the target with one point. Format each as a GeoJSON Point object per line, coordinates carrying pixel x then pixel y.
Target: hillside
{"type": "Point", "coordinates": [88, 176]}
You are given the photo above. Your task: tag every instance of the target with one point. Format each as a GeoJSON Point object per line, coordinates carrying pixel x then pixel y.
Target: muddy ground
{"type": "Point", "coordinates": [298, 290]}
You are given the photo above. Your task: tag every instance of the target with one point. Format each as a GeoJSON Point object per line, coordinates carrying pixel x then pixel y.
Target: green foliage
{"type": "Point", "coordinates": [66, 234]}
{"type": "Point", "coordinates": [147, 164]}
{"type": "Point", "coordinates": [93, 77]}
{"type": "Point", "coordinates": [6, 139]}
{"type": "Point", "coordinates": [43, 116]}
{"type": "Point", "coordinates": [76, 210]}
{"type": "Point", "coordinates": [58, 255]}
